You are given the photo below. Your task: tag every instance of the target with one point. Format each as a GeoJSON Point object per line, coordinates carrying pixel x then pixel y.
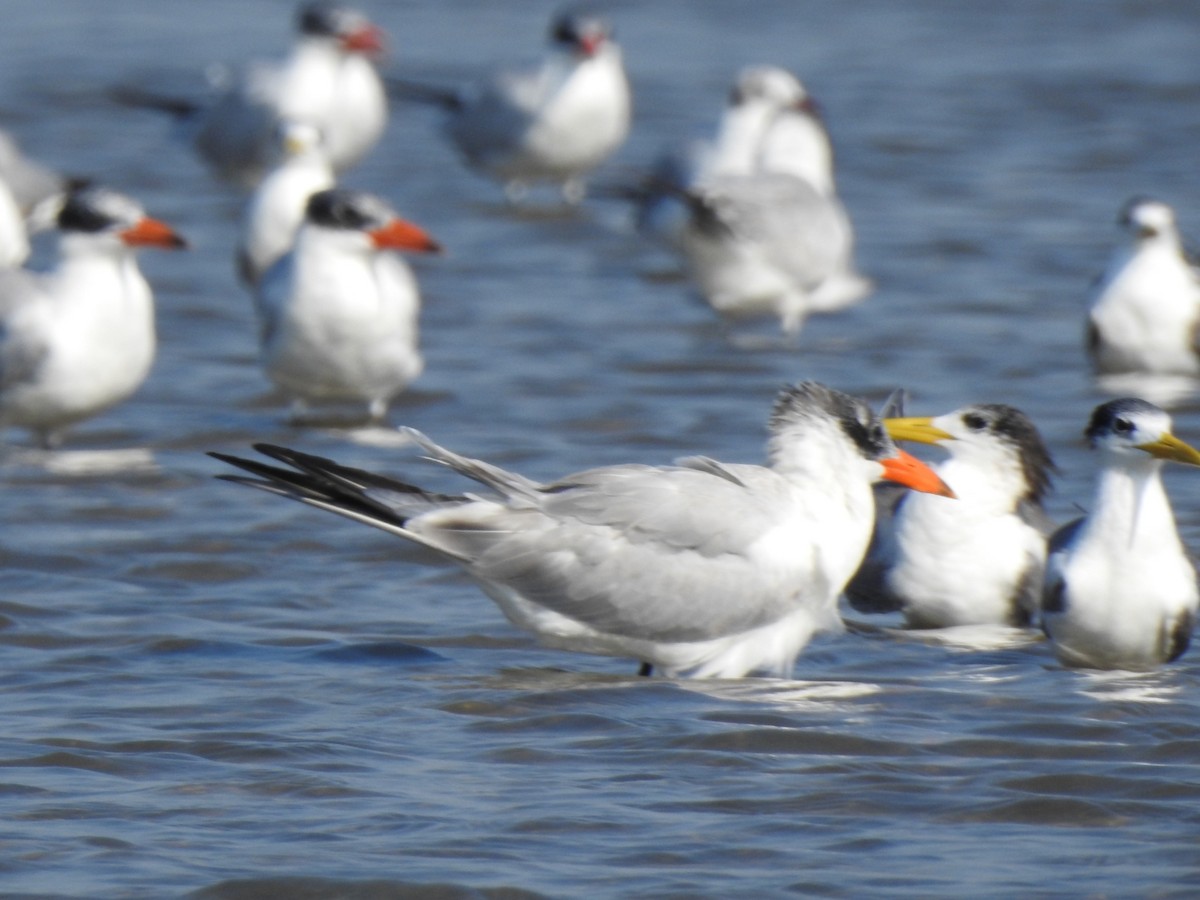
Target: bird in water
{"type": "Point", "coordinates": [701, 569]}
{"type": "Point", "coordinates": [1120, 590]}
{"type": "Point", "coordinates": [553, 122]}
{"type": "Point", "coordinates": [79, 338]}
{"type": "Point", "coordinates": [339, 310]}
{"type": "Point", "coordinates": [1145, 311]}
{"type": "Point", "coordinates": [328, 80]}
{"type": "Point", "coordinates": [770, 124]}
{"type": "Point", "coordinates": [770, 245]}
{"type": "Point", "coordinates": [978, 560]}
{"type": "Point", "coordinates": [754, 211]}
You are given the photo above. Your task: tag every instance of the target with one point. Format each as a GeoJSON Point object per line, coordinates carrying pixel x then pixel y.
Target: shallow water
{"type": "Point", "coordinates": [208, 691]}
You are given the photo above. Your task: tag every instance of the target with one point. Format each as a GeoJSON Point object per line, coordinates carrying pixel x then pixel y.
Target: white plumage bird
{"type": "Point", "coordinates": [770, 245]}
{"type": "Point", "coordinates": [553, 122]}
{"type": "Point", "coordinates": [327, 80]}
{"type": "Point", "coordinates": [339, 310]}
{"type": "Point", "coordinates": [770, 125]}
{"type": "Point", "coordinates": [1145, 312]}
{"type": "Point", "coordinates": [755, 212]}
{"type": "Point", "coordinates": [701, 569]}
{"type": "Point", "coordinates": [978, 560]}
{"type": "Point", "coordinates": [79, 338]}
{"type": "Point", "coordinates": [1120, 590]}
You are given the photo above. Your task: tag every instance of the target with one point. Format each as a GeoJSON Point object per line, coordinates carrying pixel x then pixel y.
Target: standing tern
{"type": "Point", "coordinates": [1120, 590]}
{"type": "Point", "coordinates": [701, 569]}
{"type": "Point", "coordinates": [770, 244]}
{"type": "Point", "coordinates": [553, 122]}
{"type": "Point", "coordinates": [339, 310]}
{"type": "Point", "coordinates": [79, 338]}
{"type": "Point", "coordinates": [276, 208]}
{"type": "Point", "coordinates": [976, 561]}
{"type": "Point", "coordinates": [327, 80]}
{"type": "Point", "coordinates": [1145, 312]}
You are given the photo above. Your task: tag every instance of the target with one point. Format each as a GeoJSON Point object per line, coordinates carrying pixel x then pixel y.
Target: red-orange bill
{"type": "Point", "coordinates": [906, 469]}
{"type": "Point", "coordinates": [401, 235]}
{"type": "Point", "coordinates": [152, 233]}
{"type": "Point", "coordinates": [367, 39]}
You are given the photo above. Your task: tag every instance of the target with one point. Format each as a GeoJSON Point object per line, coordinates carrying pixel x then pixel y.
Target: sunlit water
{"type": "Point", "coordinates": [210, 690]}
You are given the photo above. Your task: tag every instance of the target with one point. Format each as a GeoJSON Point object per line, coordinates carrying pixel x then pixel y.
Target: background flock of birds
{"type": "Point", "coordinates": [698, 569]}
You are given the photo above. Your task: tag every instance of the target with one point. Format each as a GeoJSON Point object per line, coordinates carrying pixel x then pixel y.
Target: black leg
{"type": "Point", "coordinates": [646, 670]}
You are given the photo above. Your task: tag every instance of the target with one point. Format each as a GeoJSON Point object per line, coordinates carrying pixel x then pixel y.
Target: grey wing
{"type": "Point", "coordinates": [236, 132]}
{"type": "Point", "coordinates": [811, 234]}
{"type": "Point", "coordinates": [682, 508]}
{"type": "Point", "coordinates": [493, 117]}
{"type": "Point", "coordinates": [1054, 587]}
{"type": "Point", "coordinates": [709, 465]}
{"type": "Point", "coordinates": [507, 484]}
{"type": "Point", "coordinates": [22, 350]}
{"type": "Point", "coordinates": [629, 550]}
{"type": "Point", "coordinates": [799, 229]}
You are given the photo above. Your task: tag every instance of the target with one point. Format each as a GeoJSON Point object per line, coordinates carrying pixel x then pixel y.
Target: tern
{"type": "Point", "coordinates": [770, 244]}
{"type": "Point", "coordinates": [339, 310]}
{"type": "Point", "coordinates": [755, 212]}
{"type": "Point", "coordinates": [276, 208]}
{"type": "Point", "coordinates": [1145, 311]}
{"type": "Point", "coordinates": [770, 124]}
{"type": "Point", "coordinates": [79, 338]}
{"type": "Point", "coordinates": [554, 122]}
{"type": "Point", "coordinates": [793, 138]}
{"type": "Point", "coordinates": [700, 569]}
{"type": "Point", "coordinates": [978, 560]}
{"type": "Point", "coordinates": [328, 80]}
{"type": "Point", "coordinates": [1120, 590]}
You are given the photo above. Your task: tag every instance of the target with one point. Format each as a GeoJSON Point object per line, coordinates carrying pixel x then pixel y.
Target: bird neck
{"type": "Point", "coordinates": [1131, 506]}
{"type": "Point", "coordinates": [986, 485]}
{"type": "Point", "coordinates": [821, 459]}
{"type": "Point", "coordinates": [79, 253]}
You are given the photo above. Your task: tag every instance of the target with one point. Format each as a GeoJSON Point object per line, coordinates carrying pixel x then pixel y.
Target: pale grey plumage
{"type": "Point", "coordinates": [701, 568]}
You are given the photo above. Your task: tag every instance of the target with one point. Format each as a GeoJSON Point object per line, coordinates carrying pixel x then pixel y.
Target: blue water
{"type": "Point", "coordinates": [210, 692]}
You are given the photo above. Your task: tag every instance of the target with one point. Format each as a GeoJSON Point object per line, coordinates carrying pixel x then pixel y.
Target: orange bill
{"type": "Point", "coordinates": [590, 44]}
{"type": "Point", "coordinates": [401, 235]}
{"type": "Point", "coordinates": [367, 39]}
{"type": "Point", "coordinates": [152, 233]}
{"type": "Point", "coordinates": [906, 469]}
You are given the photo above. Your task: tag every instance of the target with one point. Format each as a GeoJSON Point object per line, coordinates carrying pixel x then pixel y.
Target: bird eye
{"type": "Point", "coordinates": [975, 422]}
{"type": "Point", "coordinates": [1122, 426]}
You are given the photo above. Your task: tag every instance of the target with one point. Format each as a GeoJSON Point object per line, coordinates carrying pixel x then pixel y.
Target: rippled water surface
{"type": "Point", "coordinates": [211, 692]}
